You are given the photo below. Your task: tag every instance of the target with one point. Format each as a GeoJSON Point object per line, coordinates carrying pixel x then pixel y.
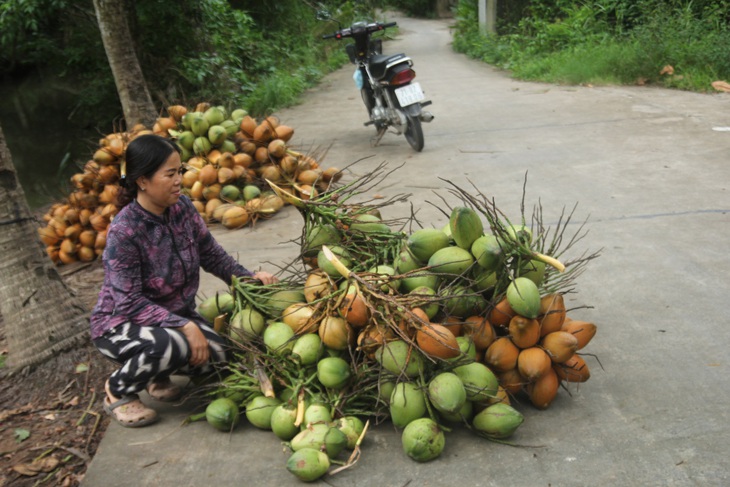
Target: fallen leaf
{"type": "Point", "coordinates": [46, 464]}
{"type": "Point", "coordinates": [21, 434]}
{"type": "Point", "coordinates": [50, 417]}
{"type": "Point", "coordinates": [74, 401]}
{"type": "Point", "coordinates": [668, 69]}
{"type": "Point", "coordinates": [721, 86]}
{"type": "Point", "coordinates": [81, 368]}
{"type": "Point", "coordinates": [641, 81]}
{"type": "Point", "coordinates": [378, 196]}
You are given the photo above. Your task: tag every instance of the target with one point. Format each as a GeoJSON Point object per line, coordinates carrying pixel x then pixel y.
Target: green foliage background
{"type": "Point", "coordinates": [604, 41]}
{"type": "Point", "coordinates": [246, 53]}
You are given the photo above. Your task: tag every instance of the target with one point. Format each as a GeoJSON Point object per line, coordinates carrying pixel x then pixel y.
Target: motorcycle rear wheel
{"type": "Point", "coordinates": [414, 133]}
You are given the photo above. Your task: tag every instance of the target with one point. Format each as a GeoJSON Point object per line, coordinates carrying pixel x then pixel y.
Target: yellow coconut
{"type": "Point", "coordinates": [533, 362]}
{"type": "Point", "coordinates": [542, 392]}
{"type": "Point", "coordinates": [574, 369]}
{"type": "Point", "coordinates": [524, 332]}
{"type": "Point", "coordinates": [552, 313]}
{"type": "Point", "coordinates": [480, 330]}
{"type": "Point", "coordinates": [235, 217]}
{"type": "Point", "coordinates": [300, 317]}
{"type": "Point", "coordinates": [336, 333]}
{"type": "Point", "coordinates": [583, 331]}
{"type": "Point", "coordinates": [502, 354]}
{"type": "Point", "coordinates": [560, 345]}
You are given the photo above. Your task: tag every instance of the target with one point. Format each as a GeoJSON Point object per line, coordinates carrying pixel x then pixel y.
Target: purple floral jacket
{"type": "Point", "coordinates": [152, 267]}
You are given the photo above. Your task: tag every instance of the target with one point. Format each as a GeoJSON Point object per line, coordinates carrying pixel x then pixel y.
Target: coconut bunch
{"type": "Point", "coordinates": [75, 229]}
{"type": "Point", "coordinates": [230, 157]}
{"type": "Point", "coordinates": [430, 329]}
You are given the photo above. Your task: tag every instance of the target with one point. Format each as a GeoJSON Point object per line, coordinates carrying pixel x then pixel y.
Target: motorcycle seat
{"type": "Point", "coordinates": [379, 63]}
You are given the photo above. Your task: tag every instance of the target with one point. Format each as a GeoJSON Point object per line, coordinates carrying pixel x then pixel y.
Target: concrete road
{"type": "Point", "coordinates": [648, 167]}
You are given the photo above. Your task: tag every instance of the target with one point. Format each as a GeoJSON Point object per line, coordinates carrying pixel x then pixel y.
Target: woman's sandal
{"type": "Point", "coordinates": [130, 412]}
{"type": "Point", "coordinates": [164, 390]}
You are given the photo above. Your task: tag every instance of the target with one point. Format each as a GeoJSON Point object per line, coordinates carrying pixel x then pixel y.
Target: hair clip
{"type": "Point", "coordinates": [123, 170]}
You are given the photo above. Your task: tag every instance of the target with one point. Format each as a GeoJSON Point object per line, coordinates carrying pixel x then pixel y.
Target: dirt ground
{"type": "Point", "coordinates": [51, 420]}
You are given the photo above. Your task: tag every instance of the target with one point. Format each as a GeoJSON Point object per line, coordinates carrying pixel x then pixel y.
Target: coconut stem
{"type": "Point", "coordinates": [336, 263]}
{"type": "Point", "coordinates": [286, 196]}
{"type": "Point", "coordinates": [549, 261]}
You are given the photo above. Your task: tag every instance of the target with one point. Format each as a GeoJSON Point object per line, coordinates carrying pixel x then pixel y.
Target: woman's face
{"type": "Point", "coordinates": [162, 190]}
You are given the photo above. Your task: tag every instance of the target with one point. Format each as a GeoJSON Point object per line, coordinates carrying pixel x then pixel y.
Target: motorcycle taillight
{"type": "Point", "coordinates": [405, 76]}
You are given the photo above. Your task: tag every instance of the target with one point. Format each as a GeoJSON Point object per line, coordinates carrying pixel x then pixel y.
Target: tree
{"type": "Point", "coordinates": [133, 93]}
{"type": "Point", "coordinates": [40, 314]}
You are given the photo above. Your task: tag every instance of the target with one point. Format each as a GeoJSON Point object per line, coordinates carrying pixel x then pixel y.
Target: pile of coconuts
{"type": "Point", "coordinates": [426, 329]}
{"type": "Point", "coordinates": [228, 159]}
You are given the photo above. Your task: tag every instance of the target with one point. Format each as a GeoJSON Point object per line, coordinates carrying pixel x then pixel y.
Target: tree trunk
{"type": "Point", "coordinates": [131, 86]}
{"type": "Point", "coordinates": [40, 314]}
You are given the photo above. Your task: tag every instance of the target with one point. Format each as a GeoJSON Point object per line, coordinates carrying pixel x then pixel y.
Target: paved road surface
{"type": "Point", "coordinates": [650, 170]}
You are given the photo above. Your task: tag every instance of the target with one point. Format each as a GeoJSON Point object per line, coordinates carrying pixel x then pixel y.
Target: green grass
{"type": "Point", "coordinates": [543, 51]}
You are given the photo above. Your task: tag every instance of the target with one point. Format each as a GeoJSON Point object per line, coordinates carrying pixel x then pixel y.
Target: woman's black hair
{"type": "Point", "coordinates": [143, 157]}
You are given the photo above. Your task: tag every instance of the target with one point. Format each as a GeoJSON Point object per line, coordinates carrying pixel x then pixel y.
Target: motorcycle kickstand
{"type": "Point", "coordinates": [374, 141]}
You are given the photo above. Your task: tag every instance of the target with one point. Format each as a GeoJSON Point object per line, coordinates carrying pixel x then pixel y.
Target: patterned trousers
{"type": "Point", "coordinates": [150, 353]}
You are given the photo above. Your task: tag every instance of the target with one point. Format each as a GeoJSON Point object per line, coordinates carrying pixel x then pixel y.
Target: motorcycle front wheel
{"type": "Point", "coordinates": [414, 133]}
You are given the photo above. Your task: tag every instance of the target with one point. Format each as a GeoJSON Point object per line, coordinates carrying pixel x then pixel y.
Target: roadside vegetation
{"type": "Point", "coordinates": [673, 43]}
{"type": "Point", "coordinates": [244, 53]}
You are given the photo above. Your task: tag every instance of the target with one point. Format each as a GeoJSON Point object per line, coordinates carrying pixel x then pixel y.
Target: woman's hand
{"type": "Point", "coordinates": [265, 277]}
{"type": "Point", "coordinates": [199, 352]}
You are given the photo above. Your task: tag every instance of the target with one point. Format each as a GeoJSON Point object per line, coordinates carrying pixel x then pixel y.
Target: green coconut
{"type": "Point", "coordinates": [281, 300]}
{"type": "Point", "coordinates": [419, 279]}
{"type": "Point", "coordinates": [214, 306]}
{"type": "Point", "coordinates": [283, 418]}
{"type": "Point", "coordinates": [198, 124]}
{"type": "Point", "coordinates": [251, 191]}
{"type": "Point", "coordinates": [201, 146]}
{"type": "Point", "coordinates": [319, 235]}
{"type": "Point", "coordinates": [215, 115]}
{"type": "Point", "coordinates": [451, 260]}
{"type": "Point", "coordinates": [325, 265]}
{"type": "Point", "coordinates": [385, 282]}
{"type": "Point", "coordinates": [320, 436]}
{"type": "Point", "coordinates": [497, 421]}
{"type": "Point", "coordinates": [222, 414]}
{"type": "Point", "coordinates": [259, 411]}
{"type": "Point", "coordinates": [278, 337]}
{"type": "Point", "coordinates": [333, 372]}
{"type": "Point", "coordinates": [217, 134]}
{"type": "Point", "coordinates": [228, 146]}
{"type": "Point", "coordinates": [463, 415]}
{"type": "Point", "coordinates": [186, 139]}
{"type": "Point", "coordinates": [230, 192]}
{"type": "Point", "coordinates": [423, 440]}
{"type": "Point", "coordinates": [487, 252]}
{"type": "Point", "coordinates": [247, 323]}
{"type": "Point", "coordinates": [446, 392]}
{"type": "Point", "coordinates": [397, 357]}
{"type": "Point", "coordinates": [308, 464]}
{"type": "Point", "coordinates": [407, 403]}
{"type": "Point", "coordinates": [353, 427]}
{"type": "Point", "coordinates": [406, 261]}
{"type": "Point", "coordinates": [308, 348]}
{"type": "Point", "coordinates": [523, 297]}
{"type": "Point", "coordinates": [461, 301]}
{"type": "Point", "coordinates": [367, 223]}
{"type": "Point", "coordinates": [425, 242]}
{"type": "Point", "coordinates": [316, 412]}
{"type": "Point", "coordinates": [427, 302]}
{"type": "Point", "coordinates": [479, 381]}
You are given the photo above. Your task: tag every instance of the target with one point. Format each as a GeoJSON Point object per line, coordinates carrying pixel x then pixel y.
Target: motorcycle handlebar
{"type": "Point", "coordinates": [374, 27]}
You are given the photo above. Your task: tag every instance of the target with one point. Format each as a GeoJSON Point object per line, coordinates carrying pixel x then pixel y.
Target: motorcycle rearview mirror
{"type": "Point", "coordinates": [324, 14]}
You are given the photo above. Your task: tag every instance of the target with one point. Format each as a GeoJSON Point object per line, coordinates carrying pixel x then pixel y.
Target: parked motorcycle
{"type": "Point", "coordinates": [391, 97]}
